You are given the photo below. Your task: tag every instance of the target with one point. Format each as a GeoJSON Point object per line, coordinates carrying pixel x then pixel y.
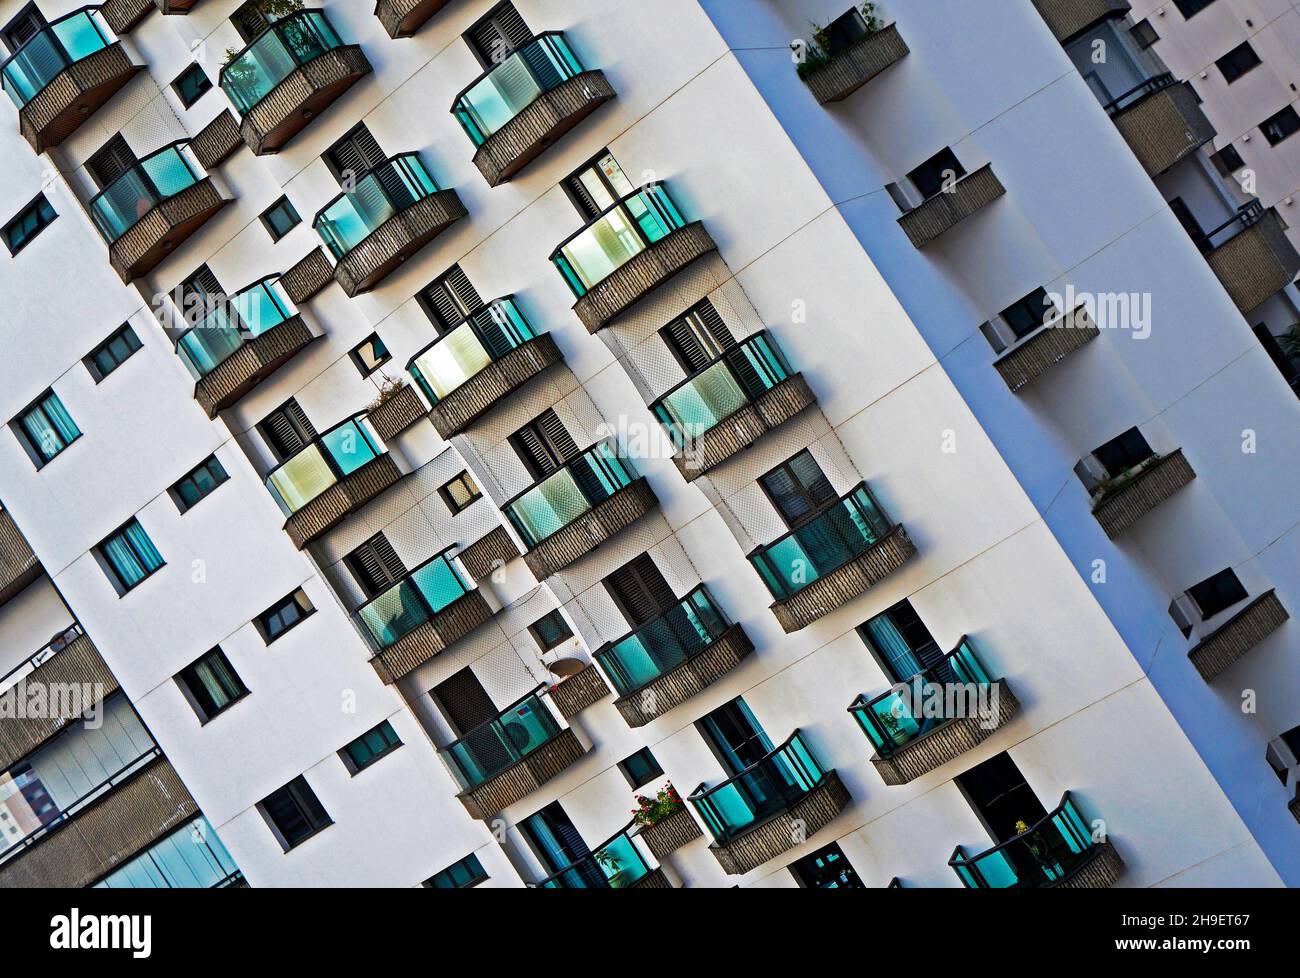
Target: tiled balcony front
{"type": "Point", "coordinates": [495, 549]}
{"type": "Point", "coordinates": [1142, 492]}
{"type": "Point", "coordinates": [852, 68]}
{"type": "Point", "coordinates": [217, 141]}
{"type": "Point", "coordinates": [945, 210]}
{"type": "Point", "coordinates": [1068, 18]}
{"type": "Point", "coordinates": [1238, 635]}
{"type": "Point", "coordinates": [1258, 260]}
{"type": "Point", "coordinates": [402, 18]}
{"type": "Point", "coordinates": [18, 565]}
{"type": "Point", "coordinates": [1043, 349]}
{"type": "Point", "coordinates": [1162, 122]}
{"type": "Point", "coordinates": [669, 834]}
{"type": "Point", "coordinates": [396, 412]}
{"type": "Point", "coordinates": [583, 689]}
{"type": "Point", "coordinates": [123, 15]}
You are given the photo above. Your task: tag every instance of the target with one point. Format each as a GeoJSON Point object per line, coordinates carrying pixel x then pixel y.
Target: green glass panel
{"type": "Point", "coordinates": [274, 55]}
{"type": "Point", "coordinates": [379, 195]}
{"type": "Point", "coordinates": [64, 42]}
{"type": "Point", "coordinates": [617, 236]}
{"type": "Point", "coordinates": [760, 791]}
{"type": "Point", "coordinates": [125, 201]}
{"type": "Point", "coordinates": [514, 84]}
{"type": "Point", "coordinates": [683, 631]}
{"type": "Point", "coordinates": [558, 500]}
{"type": "Point", "coordinates": [494, 746]}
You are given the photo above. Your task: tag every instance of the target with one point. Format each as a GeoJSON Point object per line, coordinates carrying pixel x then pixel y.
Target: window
{"type": "Point", "coordinates": [597, 185]}
{"type": "Point", "coordinates": [370, 354]}
{"type": "Point", "coordinates": [283, 615]}
{"type": "Point", "coordinates": [375, 565]}
{"type": "Point", "coordinates": [449, 299]}
{"type": "Point", "coordinates": [497, 34]}
{"type": "Point", "coordinates": [191, 84]}
{"type": "Point", "coordinates": [129, 556]}
{"type": "Point", "coordinates": [545, 445]}
{"type": "Point", "coordinates": [999, 794]}
{"type": "Point", "coordinates": [460, 492]}
{"type": "Point", "coordinates": [826, 869]}
{"type": "Point", "coordinates": [1190, 8]}
{"type": "Point", "coordinates": [735, 736]}
{"type": "Point", "coordinates": [252, 18]}
{"type": "Point", "coordinates": [31, 221]}
{"type": "Point", "coordinates": [463, 701]}
{"type": "Point", "coordinates": [46, 428]}
{"type": "Point", "coordinates": [640, 591]}
{"type": "Point", "coordinates": [1237, 62]}
{"type": "Point", "coordinates": [197, 483]}
{"type": "Point", "coordinates": [798, 489]}
{"type": "Point", "coordinates": [280, 218]}
{"type": "Point", "coordinates": [1228, 160]}
{"type": "Point", "coordinates": [1123, 452]}
{"type": "Point", "coordinates": [287, 430]}
{"type": "Point", "coordinates": [554, 837]}
{"type": "Point", "coordinates": [699, 338]}
{"type": "Point", "coordinates": [294, 813]}
{"type": "Point", "coordinates": [902, 644]}
{"type": "Point", "coordinates": [1278, 127]}
{"type": "Point", "coordinates": [1144, 34]}
{"type": "Point", "coordinates": [550, 630]}
{"type": "Point", "coordinates": [370, 747]}
{"type": "Point", "coordinates": [459, 876]}
{"type": "Point", "coordinates": [29, 22]}
{"type": "Point", "coordinates": [111, 160]}
{"type": "Point", "coordinates": [641, 768]}
{"type": "Point", "coordinates": [1216, 593]}
{"type": "Point", "coordinates": [211, 685]}
{"type": "Point", "coordinates": [937, 173]}
{"type": "Point", "coordinates": [112, 353]}
{"type": "Point", "coordinates": [355, 155]}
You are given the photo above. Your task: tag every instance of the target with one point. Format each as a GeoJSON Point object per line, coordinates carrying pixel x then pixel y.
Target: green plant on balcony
{"type": "Point", "coordinates": [389, 389]}
{"type": "Point", "coordinates": [272, 10]}
{"type": "Point", "coordinates": [1106, 488]}
{"type": "Point", "coordinates": [651, 811]}
{"type": "Point", "coordinates": [811, 57]}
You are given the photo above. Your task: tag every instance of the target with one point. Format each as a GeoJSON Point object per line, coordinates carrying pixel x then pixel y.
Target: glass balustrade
{"type": "Point", "coordinates": [565, 495]}
{"type": "Point", "coordinates": [332, 456]}
{"type": "Point", "coordinates": [486, 336]}
{"type": "Point", "coordinates": [192, 857]}
{"type": "Point", "coordinates": [413, 600]}
{"type": "Point", "coordinates": [615, 865]}
{"type": "Point", "coordinates": [276, 53]}
{"type": "Point", "coordinates": [35, 64]}
{"type": "Point", "coordinates": [506, 89]}
{"type": "Point", "coordinates": [1041, 856]}
{"type": "Point", "coordinates": [355, 214]}
{"type": "Point", "coordinates": [124, 202]}
{"type": "Point", "coordinates": [680, 633]}
{"type": "Point", "coordinates": [226, 323]}
{"type": "Point", "coordinates": [491, 747]}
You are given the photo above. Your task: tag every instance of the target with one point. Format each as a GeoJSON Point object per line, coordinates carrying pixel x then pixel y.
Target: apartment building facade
{"type": "Point", "coordinates": [452, 421]}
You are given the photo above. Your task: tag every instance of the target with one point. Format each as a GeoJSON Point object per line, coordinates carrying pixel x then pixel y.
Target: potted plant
{"type": "Point", "coordinates": [388, 389]}
{"type": "Point", "coordinates": [651, 811]}
{"type": "Point", "coordinates": [830, 40]}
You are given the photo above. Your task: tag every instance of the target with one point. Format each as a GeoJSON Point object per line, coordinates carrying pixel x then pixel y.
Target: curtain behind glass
{"type": "Point", "coordinates": [900, 661]}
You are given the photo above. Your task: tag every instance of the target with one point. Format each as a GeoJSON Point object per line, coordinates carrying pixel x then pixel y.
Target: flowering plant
{"type": "Point", "coordinates": [652, 810]}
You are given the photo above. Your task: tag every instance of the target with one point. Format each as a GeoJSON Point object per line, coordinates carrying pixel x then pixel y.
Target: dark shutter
{"type": "Point", "coordinates": [543, 445]}
{"type": "Point", "coordinates": [698, 338]}
{"type": "Point", "coordinates": [924, 648]}
{"type": "Point", "coordinates": [287, 430]}
{"type": "Point", "coordinates": [640, 591]}
{"type": "Point", "coordinates": [110, 161]}
{"type": "Point", "coordinates": [450, 299]}
{"type": "Point", "coordinates": [581, 197]}
{"type": "Point", "coordinates": [375, 565]}
{"type": "Point", "coordinates": [249, 20]}
{"type": "Point", "coordinates": [356, 153]}
{"type": "Point", "coordinates": [463, 701]}
{"type": "Point", "coordinates": [24, 27]}
{"type": "Point", "coordinates": [497, 34]}
{"type": "Point", "coordinates": [799, 488]}
{"type": "Point", "coordinates": [202, 284]}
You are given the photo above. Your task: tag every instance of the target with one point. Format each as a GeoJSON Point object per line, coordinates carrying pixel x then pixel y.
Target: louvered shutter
{"type": "Point", "coordinates": [250, 21]}
{"type": "Point", "coordinates": [110, 161]}
{"type": "Point", "coordinates": [202, 284]}
{"type": "Point", "coordinates": [493, 38]}
{"type": "Point", "coordinates": [357, 153]}
{"type": "Point", "coordinates": [799, 488]}
{"type": "Point", "coordinates": [463, 701]}
{"type": "Point", "coordinates": [375, 565]}
{"type": "Point", "coordinates": [287, 430]}
{"type": "Point", "coordinates": [699, 337]}
{"type": "Point", "coordinates": [23, 28]}
{"type": "Point", "coordinates": [450, 299]}
{"type": "Point", "coordinates": [640, 591]}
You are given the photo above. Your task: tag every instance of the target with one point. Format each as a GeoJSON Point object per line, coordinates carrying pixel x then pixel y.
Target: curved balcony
{"type": "Point", "coordinates": [1057, 852]}
{"type": "Point", "coordinates": [338, 473]}
{"type": "Point", "coordinates": [670, 833]}
{"type": "Point", "coordinates": [152, 208]}
{"type": "Point", "coordinates": [402, 18]}
{"type": "Point", "coordinates": [489, 356]}
{"type": "Point", "coordinates": [63, 74]}
{"type": "Point", "coordinates": [616, 864]}
{"type": "Point", "coordinates": [1162, 121]}
{"type": "Point", "coordinates": [287, 76]}
{"type": "Point", "coordinates": [1251, 255]}
{"type": "Point", "coordinates": [935, 716]}
{"type": "Point", "coordinates": [123, 15]}
{"type": "Point", "coordinates": [937, 215]}
{"type": "Point", "coordinates": [424, 613]}
{"type": "Point", "coordinates": [519, 107]}
{"type": "Point", "coordinates": [18, 565]}
{"type": "Point", "coordinates": [506, 759]}
{"type": "Point", "coordinates": [394, 211]}
{"type": "Point", "coordinates": [1238, 635]}
{"type": "Point", "coordinates": [577, 508]}
{"type": "Point", "coordinates": [634, 246]}
{"type": "Point", "coordinates": [836, 76]}
{"type": "Point", "coordinates": [1127, 498]}
{"type": "Point", "coordinates": [730, 404]}
{"type": "Point", "coordinates": [665, 662]}
{"type": "Point", "coordinates": [831, 558]}
{"type": "Point", "coordinates": [770, 807]}
{"type": "Point", "coordinates": [240, 341]}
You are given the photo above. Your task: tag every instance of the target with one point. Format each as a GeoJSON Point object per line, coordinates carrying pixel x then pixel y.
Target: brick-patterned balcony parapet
{"type": "Point", "coordinates": [577, 692]}
{"type": "Point", "coordinates": [97, 838]}
{"type": "Point", "coordinates": [341, 499]}
{"type": "Point", "coordinates": [849, 70]}
{"type": "Point", "coordinates": [18, 565]}
{"type": "Point", "coordinates": [1142, 492]}
{"type": "Point", "coordinates": [947, 742]}
{"type": "Point", "coordinates": [397, 412]}
{"type": "Point", "coordinates": [1068, 18]}
{"type": "Point", "coordinates": [490, 386]}
{"type": "Point", "coordinates": [402, 18]}
{"type": "Point", "coordinates": [1041, 350]}
{"type": "Point", "coordinates": [253, 362]}
{"type": "Point", "coordinates": [73, 95]}
{"type": "Point", "coordinates": [495, 549]}
{"type": "Point", "coordinates": [524, 776]}
{"type": "Point", "coordinates": [308, 276]}
{"type": "Point", "coordinates": [123, 15]}
{"type": "Point", "coordinates": [587, 532]}
{"type": "Point", "coordinates": [68, 676]}
{"type": "Point", "coordinates": [670, 833]}
{"type": "Point", "coordinates": [168, 223]}
{"type": "Point", "coordinates": [1258, 261]}
{"type": "Point", "coordinates": [1238, 635]}
{"type": "Point", "coordinates": [1162, 122]}
{"type": "Point", "coordinates": [948, 208]}
{"type": "Point", "coordinates": [434, 635]}
{"type": "Point", "coordinates": [216, 141]}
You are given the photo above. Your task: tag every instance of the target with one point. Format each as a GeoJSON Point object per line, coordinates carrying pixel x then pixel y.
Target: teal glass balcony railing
{"type": "Point", "coordinates": [35, 64]}
{"type": "Point", "coordinates": [412, 601]}
{"type": "Point", "coordinates": [895, 718]}
{"type": "Point", "coordinates": [221, 326]}
{"type": "Point", "coordinates": [507, 88]}
{"type": "Point", "coordinates": [274, 54]}
{"type": "Point", "coordinates": [484, 337]}
{"type": "Point", "coordinates": [678, 635]}
{"type": "Point", "coordinates": [124, 202]}
{"type": "Point", "coordinates": [822, 544]}
{"type": "Point", "coordinates": [337, 453]}
{"type": "Point", "coordinates": [566, 494]}
{"type": "Point", "coordinates": [1043, 856]}
{"type": "Point", "coordinates": [491, 747]}
{"type": "Point", "coordinates": [354, 215]}
{"type": "Point", "coordinates": [619, 234]}
{"type": "Point", "coordinates": [763, 789]}
{"type": "Point", "coordinates": [190, 858]}
{"type": "Point", "coordinates": [739, 377]}
{"type": "Point", "coordinates": [614, 865]}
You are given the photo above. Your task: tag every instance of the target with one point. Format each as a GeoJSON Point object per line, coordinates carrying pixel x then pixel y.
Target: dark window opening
{"type": "Point", "coordinates": [1001, 797]}
{"type": "Point", "coordinates": [640, 768]}
{"type": "Point", "coordinates": [30, 221]}
{"type": "Point", "coordinates": [493, 37]}
{"type": "Point", "coordinates": [1278, 127]}
{"type": "Point", "coordinates": [937, 173]}
{"type": "Point", "coordinates": [698, 338]}
{"type": "Point", "coordinates": [459, 876]}
{"type": "Point", "coordinates": [112, 353]}
{"type": "Point", "coordinates": [826, 869]}
{"type": "Point", "coordinates": [449, 299]}
{"type": "Point", "coordinates": [1217, 593]}
{"type": "Point", "coordinates": [544, 445]}
{"type": "Point", "coordinates": [1238, 61]}
{"type": "Point", "coordinates": [191, 84]}
{"type": "Point", "coordinates": [1027, 314]}
{"type": "Point", "coordinates": [1123, 452]}
{"type": "Point", "coordinates": [370, 747]}
{"type": "Point", "coordinates": [550, 630]}
{"type": "Point", "coordinates": [465, 704]}
{"type": "Point", "coordinates": [798, 489]}
{"type": "Point", "coordinates": [283, 616]}
{"type": "Point", "coordinates": [280, 218]}
{"type": "Point", "coordinates": [375, 565]}
{"type": "Point", "coordinates": [295, 813]}
{"type": "Point", "coordinates": [198, 483]}
{"type": "Point", "coordinates": [211, 685]}
{"type": "Point", "coordinates": [640, 591]}
{"type": "Point", "coordinates": [287, 430]}
{"type": "Point", "coordinates": [735, 736]}
{"type": "Point", "coordinates": [903, 645]}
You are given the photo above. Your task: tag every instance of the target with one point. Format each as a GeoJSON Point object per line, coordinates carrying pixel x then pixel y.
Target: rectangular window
{"type": "Point", "coordinates": [1217, 593]}
{"type": "Point", "coordinates": [460, 492]}
{"type": "Point", "coordinates": [280, 218]}
{"type": "Point", "coordinates": [1190, 8]}
{"type": "Point", "coordinates": [355, 155]}
{"type": "Point", "coordinates": [937, 173]}
{"type": "Point", "coordinates": [902, 644]}
{"type": "Point", "coordinates": [375, 565]}
{"type": "Point", "coordinates": [190, 85]}
{"type": "Point", "coordinates": [459, 876]}
{"type": "Point", "coordinates": [31, 221]}
{"type": "Point", "coordinates": [544, 445]}
{"type": "Point", "coordinates": [287, 430]}
{"type": "Point", "coordinates": [1237, 62]}
{"type": "Point", "coordinates": [1144, 34]}
{"type": "Point", "coordinates": [1029, 313]}
{"type": "Point", "coordinates": [370, 747]}
{"type": "Point", "coordinates": [294, 813]}
{"type": "Point", "coordinates": [550, 630]}
{"type": "Point", "coordinates": [370, 354]}
{"type": "Point", "coordinates": [641, 768]}
{"type": "Point", "coordinates": [798, 489]}
{"type": "Point", "coordinates": [283, 615]}
{"type": "Point", "coordinates": [826, 869]}
{"type": "Point", "coordinates": [129, 556]}
{"type": "Point", "coordinates": [1123, 452]}
{"type": "Point", "coordinates": [493, 37]}
{"type": "Point", "coordinates": [597, 185]}
{"type": "Point", "coordinates": [197, 483]}
{"type": "Point", "coordinates": [1228, 160]}
{"type": "Point", "coordinates": [1278, 127]}
{"type": "Point", "coordinates": [735, 735]}
{"type": "Point", "coordinates": [211, 685]}
{"type": "Point", "coordinates": [112, 353]}
{"type": "Point", "coordinates": [449, 299]}
{"type": "Point", "coordinates": [46, 428]}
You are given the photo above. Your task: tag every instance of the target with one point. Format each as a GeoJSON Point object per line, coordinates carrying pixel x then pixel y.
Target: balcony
{"type": "Point", "coordinates": [577, 508]}
{"type": "Point", "coordinates": [496, 549]}
{"type": "Point", "coordinates": [18, 565]}
{"type": "Point", "coordinates": [1252, 256]}
{"type": "Point", "coordinates": [577, 692]}
{"type": "Point", "coordinates": [1294, 806]}
{"type": "Point", "coordinates": [334, 476]}
{"type": "Point", "coordinates": [665, 662]}
{"type": "Point", "coordinates": [634, 246]}
{"type": "Point", "coordinates": [289, 74]}
{"type": "Point", "coordinates": [521, 106]}
{"type": "Point", "coordinates": [152, 208]}
{"type": "Point", "coordinates": [63, 74]}
{"type": "Point", "coordinates": [1069, 18]}
{"type": "Point", "coordinates": [508, 758]}
{"type": "Point", "coordinates": [125, 815]}
{"type": "Point", "coordinates": [934, 717]}
{"type": "Point", "coordinates": [467, 372]}
{"type": "Point", "coordinates": [1127, 498]}
{"type": "Point", "coordinates": [1057, 852]}
{"type": "Point", "coordinates": [1238, 635]}
{"type": "Point", "coordinates": [830, 559]}
{"type": "Point", "coordinates": [397, 408]}
{"type": "Point", "coordinates": [216, 141]}
{"type": "Point", "coordinates": [770, 807]}
{"type": "Point", "coordinates": [123, 15]}
{"type": "Point", "coordinates": [402, 18]}
{"type": "Point", "coordinates": [308, 276]}
{"type": "Point", "coordinates": [730, 404]}
{"type": "Point", "coordinates": [1044, 348]}
{"type": "Point", "coordinates": [835, 76]}
{"type": "Point", "coordinates": [945, 210]}
{"type": "Point", "coordinates": [70, 662]}
{"type": "Point", "coordinates": [240, 341]}
{"type": "Point", "coordinates": [424, 613]}
{"type": "Point", "coordinates": [1162, 122]}
{"type": "Point", "coordinates": [618, 864]}
{"type": "Point", "coordinates": [670, 833]}
{"type": "Point", "coordinates": [395, 210]}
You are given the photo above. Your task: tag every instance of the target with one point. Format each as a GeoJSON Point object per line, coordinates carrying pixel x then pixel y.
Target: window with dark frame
{"type": "Point", "coordinates": [191, 84]}
{"type": "Point", "coordinates": [375, 566]}
{"type": "Point", "coordinates": [1238, 61]}
{"type": "Point", "coordinates": [375, 743]}
{"type": "Point", "coordinates": [45, 429]}
{"type": "Point", "coordinates": [22, 28]}
{"type": "Point", "coordinates": [1123, 452]}
{"type": "Point", "coordinates": [1144, 34]}
{"type": "Point", "coordinates": [640, 768]}
{"type": "Point", "coordinates": [494, 36]}
{"type": "Point", "coordinates": [698, 337]}
{"type": "Point", "coordinates": [251, 19]}
{"type": "Point", "coordinates": [128, 557]}
{"type": "Point", "coordinates": [211, 685]}
{"type": "Point", "coordinates": [826, 869]}
{"type": "Point", "coordinates": [460, 492]}
{"type": "Point", "coordinates": [1280, 126]}
{"type": "Point", "coordinates": [355, 155]}
{"type": "Point", "coordinates": [1027, 314]}
{"type": "Point", "coordinates": [294, 813]}
{"type": "Point", "coordinates": [449, 299]}
{"type": "Point", "coordinates": [460, 875]}
{"type": "Point", "coordinates": [544, 445]}
{"type": "Point", "coordinates": [31, 221]}
{"type": "Point", "coordinates": [111, 161]}
{"type": "Point", "coordinates": [283, 616]}
{"type": "Point", "coordinates": [280, 218]}
{"type": "Point", "coordinates": [287, 430]}
{"type": "Point", "coordinates": [597, 185]}
{"type": "Point", "coordinates": [937, 173]}
{"type": "Point", "coordinates": [550, 630]}
{"type": "Point", "coordinates": [1228, 160]}
{"type": "Point", "coordinates": [370, 354]}
{"type": "Point", "coordinates": [199, 482]}
{"type": "Point", "coordinates": [798, 489]}
{"type": "Point", "coordinates": [112, 353]}
{"type": "Point", "coordinates": [1217, 593]}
